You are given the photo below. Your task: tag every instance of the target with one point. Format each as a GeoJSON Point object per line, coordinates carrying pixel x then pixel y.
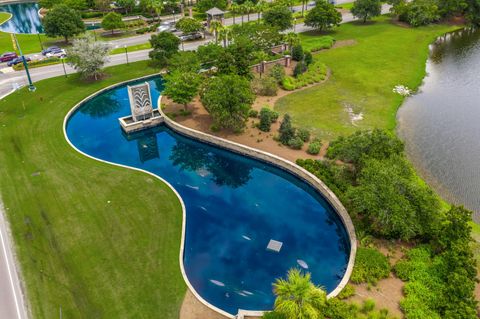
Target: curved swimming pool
{"type": "Point", "coordinates": [25, 18]}
{"type": "Point", "coordinates": [234, 206]}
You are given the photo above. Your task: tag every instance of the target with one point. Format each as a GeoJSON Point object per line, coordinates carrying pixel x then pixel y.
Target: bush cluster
{"type": "Point", "coordinates": [314, 147]}
{"type": "Point", "coordinates": [265, 86]}
{"type": "Point", "coordinates": [267, 117]}
{"type": "Point", "coordinates": [370, 266]}
{"type": "Point", "coordinates": [317, 72]}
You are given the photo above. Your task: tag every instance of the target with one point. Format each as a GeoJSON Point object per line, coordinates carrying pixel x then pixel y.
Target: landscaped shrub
{"type": "Point", "coordinates": [370, 266]}
{"type": "Point", "coordinates": [308, 58]}
{"type": "Point", "coordinates": [346, 292]}
{"type": "Point", "coordinates": [322, 43]}
{"type": "Point", "coordinates": [417, 12]}
{"type": "Point", "coordinates": [295, 143]}
{"type": "Point", "coordinates": [317, 72]}
{"type": "Point", "coordinates": [314, 148]}
{"type": "Point", "coordinates": [277, 72]}
{"type": "Point", "coordinates": [90, 15]}
{"type": "Point", "coordinates": [300, 68]}
{"type": "Point", "coordinates": [273, 315]}
{"type": "Point", "coordinates": [304, 134]}
{"type": "Point", "coordinates": [253, 113]}
{"type": "Point", "coordinates": [37, 63]}
{"type": "Point", "coordinates": [267, 117]}
{"type": "Point", "coordinates": [297, 52]}
{"type": "Point", "coordinates": [368, 305]}
{"type": "Point", "coordinates": [266, 86]}
{"type": "Point", "coordinates": [286, 130]}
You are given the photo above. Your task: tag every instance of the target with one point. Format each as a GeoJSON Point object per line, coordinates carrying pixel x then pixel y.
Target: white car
{"type": "Point", "coordinates": [57, 54]}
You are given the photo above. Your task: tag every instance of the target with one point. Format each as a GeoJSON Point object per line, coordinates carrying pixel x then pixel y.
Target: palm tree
{"type": "Point", "coordinates": [224, 35]}
{"type": "Point", "coordinates": [234, 8]}
{"type": "Point", "coordinates": [241, 10]}
{"type": "Point", "coordinates": [261, 6]}
{"type": "Point", "coordinates": [248, 5]}
{"type": "Point", "coordinates": [215, 26]}
{"type": "Point", "coordinates": [156, 6]}
{"type": "Point", "coordinates": [298, 297]}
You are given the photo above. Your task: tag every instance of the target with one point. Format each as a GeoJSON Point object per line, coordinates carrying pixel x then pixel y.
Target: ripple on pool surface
{"type": "Point", "coordinates": [234, 205]}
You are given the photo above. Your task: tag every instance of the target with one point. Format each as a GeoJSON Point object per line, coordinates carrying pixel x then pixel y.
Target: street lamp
{"type": "Point", "coordinates": [294, 24]}
{"type": "Point", "coordinates": [181, 41]}
{"type": "Point", "coordinates": [31, 87]}
{"type": "Point", "coordinates": [64, 69]}
{"type": "Point", "coordinates": [173, 14]}
{"type": "Point", "coordinates": [126, 52]}
{"type": "Point", "coordinates": [40, 40]}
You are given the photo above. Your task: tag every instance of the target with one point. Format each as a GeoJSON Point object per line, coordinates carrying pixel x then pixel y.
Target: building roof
{"type": "Point", "coordinates": [215, 12]}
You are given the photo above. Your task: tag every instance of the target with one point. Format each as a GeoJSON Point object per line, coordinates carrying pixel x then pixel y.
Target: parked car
{"type": "Point", "coordinates": [17, 61]}
{"type": "Point", "coordinates": [167, 27]}
{"type": "Point", "coordinates": [8, 56]}
{"type": "Point", "coordinates": [191, 36]}
{"type": "Point", "coordinates": [57, 54]}
{"type": "Point", "coordinates": [50, 49]}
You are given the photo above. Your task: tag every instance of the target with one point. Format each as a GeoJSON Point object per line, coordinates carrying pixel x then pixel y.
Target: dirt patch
{"type": "Point", "coordinates": [344, 43]}
{"type": "Point", "coordinates": [194, 309]}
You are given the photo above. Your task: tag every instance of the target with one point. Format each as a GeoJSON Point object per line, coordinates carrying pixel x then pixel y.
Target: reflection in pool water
{"type": "Point", "coordinates": [234, 207]}
{"type": "Point", "coordinates": [25, 18]}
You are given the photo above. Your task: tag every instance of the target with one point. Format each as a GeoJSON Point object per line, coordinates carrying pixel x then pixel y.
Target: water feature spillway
{"type": "Point", "coordinates": [234, 206]}
{"type": "Point", "coordinates": [440, 124]}
{"type": "Point", "coordinates": [25, 18]}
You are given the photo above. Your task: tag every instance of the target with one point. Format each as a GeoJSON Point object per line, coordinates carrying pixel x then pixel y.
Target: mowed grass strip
{"type": "Point", "coordinates": [380, 56]}
{"type": "Point", "coordinates": [97, 240]}
{"type": "Point", "coordinates": [4, 16]}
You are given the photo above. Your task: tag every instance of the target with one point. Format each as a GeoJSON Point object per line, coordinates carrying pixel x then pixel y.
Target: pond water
{"type": "Point", "coordinates": [25, 18]}
{"type": "Point", "coordinates": [441, 124]}
{"type": "Point", "coordinates": [234, 206]}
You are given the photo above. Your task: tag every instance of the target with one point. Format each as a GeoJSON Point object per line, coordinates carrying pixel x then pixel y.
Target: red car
{"type": "Point", "coordinates": [8, 56]}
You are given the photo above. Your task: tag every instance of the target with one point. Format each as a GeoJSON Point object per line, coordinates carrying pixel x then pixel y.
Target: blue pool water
{"type": "Point", "coordinates": [25, 18]}
{"type": "Point", "coordinates": [234, 206]}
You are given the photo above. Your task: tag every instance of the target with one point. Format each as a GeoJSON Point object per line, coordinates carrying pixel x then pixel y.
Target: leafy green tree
{"type": "Point", "coordinates": [164, 45]}
{"type": "Point", "coordinates": [102, 5]}
{"type": "Point", "coordinates": [63, 21]}
{"type": "Point", "coordinates": [419, 12]}
{"type": "Point", "coordinates": [472, 13]}
{"type": "Point", "coordinates": [366, 9]}
{"type": "Point", "coordinates": [392, 202]}
{"type": "Point", "coordinates": [323, 16]}
{"type": "Point", "coordinates": [378, 144]}
{"type": "Point", "coordinates": [112, 21]}
{"type": "Point", "coordinates": [286, 130]}
{"type": "Point", "coordinates": [262, 36]}
{"type": "Point", "coordinates": [76, 4]}
{"type": "Point", "coordinates": [237, 58]}
{"type": "Point", "coordinates": [279, 17]}
{"type": "Point", "coordinates": [208, 54]}
{"type": "Point", "coordinates": [189, 25]}
{"type": "Point", "coordinates": [449, 8]}
{"type": "Point", "coordinates": [185, 61]}
{"type": "Point", "coordinates": [128, 5]}
{"type": "Point", "coordinates": [88, 56]}
{"type": "Point", "coordinates": [215, 27]}
{"type": "Point", "coordinates": [248, 7]}
{"type": "Point", "coordinates": [297, 52]}
{"type": "Point", "coordinates": [181, 87]}
{"type": "Point", "coordinates": [298, 297]}
{"type": "Point", "coordinates": [228, 99]}
{"type": "Point", "coordinates": [205, 5]}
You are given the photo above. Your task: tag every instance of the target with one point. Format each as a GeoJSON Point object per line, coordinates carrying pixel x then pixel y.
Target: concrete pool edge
{"type": "Point", "coordinates": [290, 167]}
{"type": "Point", "coordinates": [271, 159]}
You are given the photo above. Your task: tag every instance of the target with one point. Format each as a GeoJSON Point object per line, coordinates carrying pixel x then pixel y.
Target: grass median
{"type": "Point", "coordinates": [93, 239]}
{"type": "Point", "coordinates": [370, 60]}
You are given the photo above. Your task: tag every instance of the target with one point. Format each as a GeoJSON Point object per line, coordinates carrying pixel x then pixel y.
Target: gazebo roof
{"type": "Point", "coordinates": [215, 12]}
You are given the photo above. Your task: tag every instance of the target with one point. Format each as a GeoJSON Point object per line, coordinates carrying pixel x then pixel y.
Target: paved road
{"type": "Point", "coordinates": [11, 301]}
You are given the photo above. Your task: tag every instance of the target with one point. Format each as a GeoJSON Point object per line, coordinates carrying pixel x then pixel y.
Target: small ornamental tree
{"type": "Point", "coordinates": [112, 21]}
{"type": "Point", "coordinates": [323, 16]}
{"type": "Point", "coordinates": [286, 130]}
{"type": "Point", "coordinates": [185, 61]}
{"type": "Point", "coordinates": [279, 17]}
{"type": "Point", "coordinates": [189, 25]}
{"type": "Point", "coordinates": [228, 99]}
{"type": "Point", "coordinates": [164, 45]}
{"type": "Point", "coordinates": [88, 56]}
{"type": "Point", "coordinates": [63, 21]}
{"type": "Point", "coordinates": [182, 87]}
{"type": "Point", "coordinates": [366, 9]}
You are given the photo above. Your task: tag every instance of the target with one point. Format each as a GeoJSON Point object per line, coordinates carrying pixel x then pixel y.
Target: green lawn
{"type": "Point", "coordinates": [4, 17]}
{"type": "Point", "coordinates": [96, 240]}
{"type": "Point", "coordinates": [346, 6]}
{"type": "Point", "coordinates": [363, 76]}
{"type": "Point", "coordinates": [28, 42]}
{"type": "Point", "coordinates": [137, 47]}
